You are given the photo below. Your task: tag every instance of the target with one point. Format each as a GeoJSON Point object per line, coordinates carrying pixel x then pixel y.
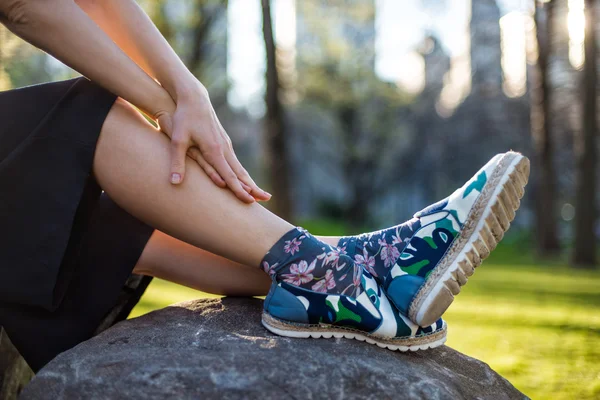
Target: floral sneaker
{"type": "Point", "coordinates": [367, 315]}
{"type": "Point", "coordinates": [451, 237]}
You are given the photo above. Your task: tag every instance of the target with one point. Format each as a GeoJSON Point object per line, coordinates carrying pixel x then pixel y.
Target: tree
{"type": "Point", "coordinates": [545, 189]}
{"type": "Point", "coordinates": [158, 13]}
{"type": "Point", "coordinates": [365, 147]}
{"type": "Point", "coordinates": [275, 125]}
{"type": "Point", "coordinates": [206, 48]}
{"type": "Point", "coordinates": [584, 250]}
{"type": "Point", "coordinates": [207, 14]}
{"type": "Point", "coordinates": [369, 145]}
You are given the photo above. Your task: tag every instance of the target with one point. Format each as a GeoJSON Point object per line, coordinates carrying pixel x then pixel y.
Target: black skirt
{"type": "Point", "coordinates": [66, 248]}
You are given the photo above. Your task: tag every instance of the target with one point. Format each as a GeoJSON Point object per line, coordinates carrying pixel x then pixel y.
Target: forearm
{"type": "Point", "coordinates": [133, 31]}
{"type": "Point", "coordinates": [62, 29]}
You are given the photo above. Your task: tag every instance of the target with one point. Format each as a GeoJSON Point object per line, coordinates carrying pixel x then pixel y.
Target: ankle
{"type": "Point", "coordinates": [378, 251]}
{"type": "Point", "coordinates": [300, 259]}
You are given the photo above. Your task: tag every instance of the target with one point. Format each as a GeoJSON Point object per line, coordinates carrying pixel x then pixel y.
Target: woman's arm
{"type": "Point", "coordinates": [62, 29]}
{"type": "Point", "coordinates": [129, 26]}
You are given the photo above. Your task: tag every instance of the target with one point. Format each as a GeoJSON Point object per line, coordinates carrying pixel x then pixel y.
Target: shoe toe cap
{"type": "Point", "coordinates": [402, 290]}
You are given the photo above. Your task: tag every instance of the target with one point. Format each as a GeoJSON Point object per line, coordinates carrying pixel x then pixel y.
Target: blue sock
{"type": "Point", "coordinates": [300, 259]}
{"type": "Point", "coordinates": [378, 251]}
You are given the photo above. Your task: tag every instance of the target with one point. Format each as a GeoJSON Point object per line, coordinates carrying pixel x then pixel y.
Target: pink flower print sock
{"type": "Point", "coordinates": [378, 251]}
{"type": "Point", "coordinates": [300, 259]}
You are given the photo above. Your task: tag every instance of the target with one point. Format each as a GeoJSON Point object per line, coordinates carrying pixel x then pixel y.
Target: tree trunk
{"type": "Point", "coordinates": [584, 250]}
{"type": "Point", "coordinates": [545, 188]}
{"type": "Point", "coordinates": [275, 125]}
{"type": "Point", "coordinates": [209, 13]}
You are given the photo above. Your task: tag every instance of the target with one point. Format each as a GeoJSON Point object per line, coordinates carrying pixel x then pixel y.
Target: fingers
{"type": "Point", "coordinates": [237, 167]}
{"type": "Point", "coordinates": [214, 153]}
{"type": "Point", "coordinates": [195, 154]}
{"type": "Point", "coordinates": [246, 187]}
{"type": "Point", "coordinates": [245, 178]}
{"type": "Point", "coordinates": [220, 164]}
{"type": "Point", "coordinates": [165, 123]}
{"type": "Point", "coordinates": [179, 145]}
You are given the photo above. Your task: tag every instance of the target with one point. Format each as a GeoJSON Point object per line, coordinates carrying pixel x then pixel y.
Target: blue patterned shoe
{"type": "Point", "coordinates": [301, 313]}
{"type": "Point", "coordinates": [453, 236]}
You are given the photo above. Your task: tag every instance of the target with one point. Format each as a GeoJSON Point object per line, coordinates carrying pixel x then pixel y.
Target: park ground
{"type": "Point", "coordinates": [537, 324]}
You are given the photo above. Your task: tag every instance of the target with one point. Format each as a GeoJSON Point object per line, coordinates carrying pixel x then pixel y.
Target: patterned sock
{"type": "Point", "coordinates": [378, 251]}
{"type": "Point", "coordinates": [300, 259]}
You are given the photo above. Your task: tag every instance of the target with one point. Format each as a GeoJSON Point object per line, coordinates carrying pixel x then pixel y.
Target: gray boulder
{"type": "Point", "coordinates": [14, 371]}
{"type": "Point", "coordinates": [217, 349]}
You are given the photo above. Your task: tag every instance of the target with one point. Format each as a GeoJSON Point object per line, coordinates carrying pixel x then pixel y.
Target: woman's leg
{"type": "Point", "coordinates": [130, 164]}
{"type": "Point", "coordinates": [173, 260]}
{"type": "Point", "coordinates": [168, 258]}
{"type": "Point", "coordinates": [131, 157]}
{"type": "Point", "coordinates": [332, 240]}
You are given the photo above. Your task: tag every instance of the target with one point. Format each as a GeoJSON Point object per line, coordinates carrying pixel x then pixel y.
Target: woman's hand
{"type": "Point", "coordinates": [195, 131]}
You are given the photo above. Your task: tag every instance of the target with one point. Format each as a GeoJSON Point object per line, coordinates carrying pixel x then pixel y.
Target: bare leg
{"type": "Point", "coordinates": [173, 260]}
{"type": "Point", "coordinates": [332, 240]}
{"type": "Point", "coordinates": [131, 159]}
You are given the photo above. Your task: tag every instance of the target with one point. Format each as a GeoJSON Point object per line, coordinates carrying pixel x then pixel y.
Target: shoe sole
{"type": "Point", "coordinates": [484, 228]}
{"type": "Point", "coordinates": [296, 330]}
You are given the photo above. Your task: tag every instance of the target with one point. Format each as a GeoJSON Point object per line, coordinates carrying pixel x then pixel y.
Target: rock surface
{"type": "Point", "coordinates": [217, 349]}
{"type": "Point", "coordinates": [14, 371]}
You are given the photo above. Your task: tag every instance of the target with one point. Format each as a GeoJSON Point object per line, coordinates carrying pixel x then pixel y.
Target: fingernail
{"type": "Point", "coordinates": [267, 193]}
{"type": "Point", "coordinates": [175, 178]}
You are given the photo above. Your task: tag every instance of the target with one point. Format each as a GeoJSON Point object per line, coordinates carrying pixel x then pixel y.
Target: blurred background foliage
{"type": "Point", "coordinates": [357, 113]}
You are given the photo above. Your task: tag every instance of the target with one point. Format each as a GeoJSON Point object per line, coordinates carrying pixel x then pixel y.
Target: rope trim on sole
{"type": "Point", "coordinates": [407, 343]}
{"type": "Point", "coordinates": [500, 207]}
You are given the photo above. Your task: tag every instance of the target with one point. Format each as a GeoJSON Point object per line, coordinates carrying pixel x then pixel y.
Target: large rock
{"type": "Point", "coordinates": [217, 349]}
{"type": "Point", "coordinates": [14, 371]}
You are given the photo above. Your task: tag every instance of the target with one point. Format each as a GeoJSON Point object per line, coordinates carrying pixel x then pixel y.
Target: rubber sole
{"type": "Point", "coordinates": [484, 228]}
{"type": "Point", "coordinates": [294, 330]}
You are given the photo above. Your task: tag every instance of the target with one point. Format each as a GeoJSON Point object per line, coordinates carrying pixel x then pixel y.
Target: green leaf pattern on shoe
{"type": "Point", "coordinates": [441, 224]}
{"type": "Point", "coordinates": [370, 311]}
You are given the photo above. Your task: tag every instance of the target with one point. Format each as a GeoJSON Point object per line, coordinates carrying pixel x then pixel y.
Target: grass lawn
{"type": "Point", "coordinates": [538, 326]}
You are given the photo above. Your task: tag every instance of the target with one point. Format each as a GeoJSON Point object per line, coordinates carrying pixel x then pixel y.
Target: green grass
{"type": "Point", "coordinates": [536, 325]}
